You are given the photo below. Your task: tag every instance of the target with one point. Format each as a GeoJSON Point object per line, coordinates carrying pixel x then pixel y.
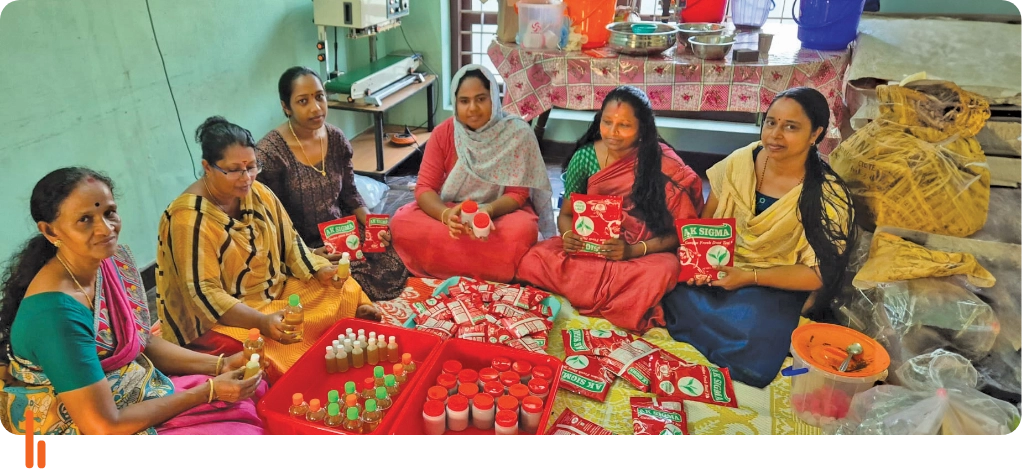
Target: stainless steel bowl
{"type": "Point", "coordinates": [690, 30]}
{"type": "Point", "coordinates": [711, 47]}
{"type": "Point", "coordinates": [623, 40]}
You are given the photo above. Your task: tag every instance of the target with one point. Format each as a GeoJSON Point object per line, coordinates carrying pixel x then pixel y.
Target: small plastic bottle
{"type": "Point", "coordinates": [449, 382]}
{"type": "Point", "coordinates": [518, 391]}
{"type": "Point", "coordinates": [506, 423]}
{"type": "Point", "coordinates": [383, 400]}
{"type": "Point", "coordinates": [372, 353]}
{"type": "Point", "coordinates": [452, 367]}
{"type": "Point", "coordinates": [393, 351]}
{"type": "Point", "coordinates": [469, 209]}
{"type": "Point", "coordinates": [341, 360]}
{"type": "Point", "coordinates": [469, 390]}
{"type": "Point", "coordinates": [501, 364]}
{"type": "Point", "coordinates": [357, 357]}
{"type": "Point", "coordinates": [349, 345]}
{"type": "Point", "coordinates": [371, 417]}
{"type": "Point", "coordinates": [298, 406]}
{"type": "Point", "coordinates": [349, 389]}
{"type": "Point", "coordinates": [390, 382]}
{"type": "Point", "coordinates": [352, 424]}
{"type": "Point", "coordinates": [254, 344]}
{"type": "Point", "coordinates": [524, 370]}
{"type": "Point", "coordinates": [399, 374]}
{"type": "Point", "coordinates": [331, 360]}
{"type": "Point", "coordinates": [406, 360]}
{"type": "Point", "coordinates": [508, 403]}
{"type": "Point", "coordinates": [294, 317]}
{"type": "Point", "coordinates": [368, 388]}
{"type": "Point", "coordinates": [378, 376]}
{"type": "Point", "coordinates": [481, 225]}
{"type": "Point", "coordinates": [333, 415]}
{"type": "Point", "coordinates": [437, 393]}
{"type": "Point", "coordinates": [333, 397]}
{"type": "Point", "coordinates": [434, 416]}
{"type": "Point", "coordinates": [544, 372]}
{"type": "Point", "coordinates": [252, 367]}
{"type": "Point", "coordinates": [352, 401]}
{"type": "Point", "coordinates": [352, 336]}
{"type": "Point", "coordinates": [488, 374]}
{"type": "Point", "coordinates": [343, 267]}
{"type": "Point", "coordinates": [494, 389]}
{"type": "Point", "coordinates": [532, 408]}
{"type": "Point", "coordinates": [539, 387]}
{"type": "Point", "coordinates": [362, 335]}
{"type": "Point", "coordinates": [510, 378]}
{"type": "Point", "coordinates": [457, 413]}
{"type": "Point", "coordinates": [337, 345]}
{"type": "Point", "coordinates": [483, 410]}
{"type": "Point", "coordinates": [372, 336]}
{"type": "Point", "coordinates": [349, 331]}
{"type": "Point", "coordinates": [467, 376]}
{"type": "Point", "coordinates": [315, 413]}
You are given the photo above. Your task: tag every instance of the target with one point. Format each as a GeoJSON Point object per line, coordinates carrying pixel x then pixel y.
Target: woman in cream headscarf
{"type": "Point", "coordinates": [487, 157]}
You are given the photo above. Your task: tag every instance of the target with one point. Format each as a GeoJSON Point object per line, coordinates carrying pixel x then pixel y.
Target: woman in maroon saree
{"type": "Point", "coordinates": [621, 155]}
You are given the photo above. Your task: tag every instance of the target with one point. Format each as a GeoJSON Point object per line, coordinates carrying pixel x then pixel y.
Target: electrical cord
{"type": "Point", "coordinates": [436, 88]}
{"type": "Point", "coordinates": [180, 125]}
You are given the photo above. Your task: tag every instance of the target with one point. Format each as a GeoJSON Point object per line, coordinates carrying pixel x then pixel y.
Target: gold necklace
{"type": "Point", "coordinates": [762, 175]}
{"type": "Point", "coordinates": [68, 269]}
{"type": "Point", "coordinates": [211, 196]}
{"type": "Point", "coordinates": [322, 170]}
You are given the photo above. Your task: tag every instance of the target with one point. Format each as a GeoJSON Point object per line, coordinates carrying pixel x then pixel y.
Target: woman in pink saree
{"type": "Point", "coordinates": [76, 331]}
{"type": "Point", "coordinates": [622, 155]}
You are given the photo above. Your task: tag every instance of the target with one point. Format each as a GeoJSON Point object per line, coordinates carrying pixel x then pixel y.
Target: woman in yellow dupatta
{"type": "Point", "coordinates": [793, 221]}
{"type": "Point", "coordinates": [229, 258]}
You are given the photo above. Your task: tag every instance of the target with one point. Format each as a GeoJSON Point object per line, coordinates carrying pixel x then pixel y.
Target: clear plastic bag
{"type": "Point", "coordinates": [373, 192]}
{"type": "Point", "coordinates": [938, 396]}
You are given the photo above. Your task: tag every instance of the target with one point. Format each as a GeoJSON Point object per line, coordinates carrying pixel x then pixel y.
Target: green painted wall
{"type": "Point", "coordinates": [983, 7]}
{"type": "Point", "coordinates": [427, 28]}
{"type": "Point", "coordinates": [82, 84]}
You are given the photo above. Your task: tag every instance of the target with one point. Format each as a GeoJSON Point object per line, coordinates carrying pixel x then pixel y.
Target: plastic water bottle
{"type": "Point", "coordinates": [294, 317]}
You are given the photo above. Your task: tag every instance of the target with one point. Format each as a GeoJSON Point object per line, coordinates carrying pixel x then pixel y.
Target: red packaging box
{"type": "Point", "coordinates": [375, 226]}
{"type": "Point", "coordinates": [706, 243]}
{"type": "Point", "coordinates": [308, 376]}
{"type": "Point", "coordinates": [596, 219]}
{"type": "Point", "coordinates": [473, 356]}
{"type": "Point", "coordinates": [340, 236]}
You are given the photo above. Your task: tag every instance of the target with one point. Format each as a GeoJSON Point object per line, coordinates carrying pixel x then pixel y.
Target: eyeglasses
{"type": "Point", "coordinates": [239, 173]}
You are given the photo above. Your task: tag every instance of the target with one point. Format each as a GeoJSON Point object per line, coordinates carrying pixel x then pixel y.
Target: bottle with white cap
{"type": "Point", "coordinates": [331, 360]}
{"type": "Point", "coordinates": [343, 267]}
{"type": "Point", "coordinates": [252, 367]}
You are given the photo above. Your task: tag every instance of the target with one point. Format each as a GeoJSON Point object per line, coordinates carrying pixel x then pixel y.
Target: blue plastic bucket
{"type": "Point", "coordinates": [827, 24]}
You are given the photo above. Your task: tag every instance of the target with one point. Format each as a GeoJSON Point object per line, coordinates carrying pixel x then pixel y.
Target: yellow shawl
{"type": "Point", "coordinates": [772, 238]}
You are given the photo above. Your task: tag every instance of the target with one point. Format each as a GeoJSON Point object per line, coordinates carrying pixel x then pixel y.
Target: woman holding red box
{"type": "Point", "coordinates": [621, 155]}
{"type": "Point", "coordinates": [792, 223]}
{"type": "Point", "coordinates": [489, 158]}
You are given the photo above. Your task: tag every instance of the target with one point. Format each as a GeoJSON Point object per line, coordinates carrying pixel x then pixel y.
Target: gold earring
{"type": "Point", "coordinates": [58, 243]}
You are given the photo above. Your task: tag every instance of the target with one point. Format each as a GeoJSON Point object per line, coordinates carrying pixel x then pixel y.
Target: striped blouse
{"type": "Point", "coordinates": [207, 262]}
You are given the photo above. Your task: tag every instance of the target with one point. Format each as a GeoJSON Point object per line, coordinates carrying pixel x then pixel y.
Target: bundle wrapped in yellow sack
{"type": "Point", "coordinates": [892, 258]}
{"type": "Point", "coordinates": [919, 166]}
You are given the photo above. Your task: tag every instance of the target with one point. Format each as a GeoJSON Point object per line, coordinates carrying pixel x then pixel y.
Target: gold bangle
{"type": "Point", "coordinates": [442, 214]}
{"type": "Point", "coordinates": [564, 234]}
{"type": "Point", "coordinates": [643, 248]}
{"type": "Point", "coordinates": [755, 272]}
{"type": "Point", "coordinates": [219, 365]}
{"type": "Point", "coordinates": [210, 400]}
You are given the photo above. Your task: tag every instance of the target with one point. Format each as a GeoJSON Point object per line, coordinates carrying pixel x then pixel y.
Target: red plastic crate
{"type": "Point", "coordinates": [309, 377]}
{"type": "Point", "coordinates": [472, 355]}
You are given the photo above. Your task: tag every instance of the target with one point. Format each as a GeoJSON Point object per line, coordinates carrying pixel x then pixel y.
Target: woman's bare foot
{"type": "Point", "coordinates": [369, 313]}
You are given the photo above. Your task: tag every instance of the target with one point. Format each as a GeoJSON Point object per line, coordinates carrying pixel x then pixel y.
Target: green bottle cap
{"type": "Point", "coordinates": [381, 392]}
{"type": "Point", "coordinates": [389, 380]}
{"type": "Point", "coordinates": [378, 372]}
{"type": "Point", "coordinates": [349, 387]}
{"type": "Point", "coordinates": [333, 409]}
{"type": "Point", "coordinates": [352, 413]}
{"type": "Point", "coordinates": [370, 405]}
{"type": "Point", "coordinates": [332, 396]}
{"type": "Point", "coordinates": [293, 300]}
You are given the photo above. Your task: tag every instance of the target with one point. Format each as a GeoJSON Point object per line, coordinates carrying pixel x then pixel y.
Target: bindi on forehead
{"type": "Point", "coordinates": [97, 204]}
{"type": "Point", "coordinates": [90, 179]}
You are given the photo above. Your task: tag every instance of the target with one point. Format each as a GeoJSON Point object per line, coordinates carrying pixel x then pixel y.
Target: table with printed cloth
{"type": "Point", "coordinates": [764, 411]}
{"type": "Point", "coordinates": [537, 81]}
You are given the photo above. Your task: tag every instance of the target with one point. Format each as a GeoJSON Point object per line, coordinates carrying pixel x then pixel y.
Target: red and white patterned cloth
{"type": "Point", "coordinates": [538, 81]}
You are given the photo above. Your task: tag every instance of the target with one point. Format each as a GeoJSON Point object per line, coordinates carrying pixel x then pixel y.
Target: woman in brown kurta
{"type": "Point", "coordinates": [307, 163]}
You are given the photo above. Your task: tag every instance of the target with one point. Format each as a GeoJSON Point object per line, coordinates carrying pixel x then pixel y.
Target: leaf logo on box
{"type": "Point", "coordinates": [690, 386]}
{"type": "Point", "coordinates": [584, 226]}
{"type": "Point", "coordinates": [706, 232]}
{"type": "Point", "coordinates": [577, 362]}
{"type": "Point", "coordinates": [339, 229]}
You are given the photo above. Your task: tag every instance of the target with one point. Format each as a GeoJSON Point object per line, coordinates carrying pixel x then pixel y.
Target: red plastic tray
{"type": "Point", "coordinates": [473, 355]}
{"type": "Point", "coordinates": [309, 377]}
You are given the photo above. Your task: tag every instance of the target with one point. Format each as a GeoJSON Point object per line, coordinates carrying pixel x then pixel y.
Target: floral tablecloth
{"type": "Point", "coordinates": [538, 81]}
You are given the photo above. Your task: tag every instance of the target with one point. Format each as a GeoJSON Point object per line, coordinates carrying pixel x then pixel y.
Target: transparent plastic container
{"type": "Point", "coordinates": [751, 13]}
{"type": "Point", "coordinates": [539, 25]}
